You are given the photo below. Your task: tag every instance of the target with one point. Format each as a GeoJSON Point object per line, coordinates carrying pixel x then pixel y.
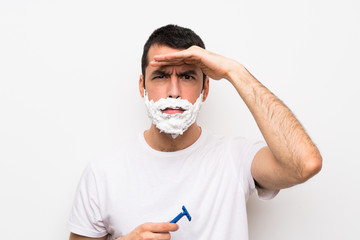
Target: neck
{"type": "Point", "coordinates": [164, 142]}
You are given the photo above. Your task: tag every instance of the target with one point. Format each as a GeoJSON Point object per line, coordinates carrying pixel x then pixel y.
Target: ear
{"type": "Point", "coordinates": [206, 88]}
{"type": "Point", "coordinates": [141, 85]}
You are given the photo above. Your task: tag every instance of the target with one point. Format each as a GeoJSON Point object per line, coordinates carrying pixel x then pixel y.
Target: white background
{"type": "Point", "coordinates": [69, 92]}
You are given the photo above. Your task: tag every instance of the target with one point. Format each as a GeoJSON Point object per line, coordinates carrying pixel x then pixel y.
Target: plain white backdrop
{"type": "Point", "coordinates": [69, 75]}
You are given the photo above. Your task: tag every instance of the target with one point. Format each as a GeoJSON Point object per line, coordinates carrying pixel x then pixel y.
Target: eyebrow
{"type": "Point", "coordinates": [161, 72]}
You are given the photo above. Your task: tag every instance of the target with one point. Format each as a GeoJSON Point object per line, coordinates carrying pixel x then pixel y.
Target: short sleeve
{"type": "Point", "coordinates": [243, 152]}
{"type": "Point", "coordinates": [85, 218]}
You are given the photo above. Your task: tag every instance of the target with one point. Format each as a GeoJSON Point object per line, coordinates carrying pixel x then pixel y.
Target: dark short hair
{"type": "Point", "coordinates": [171, 36]}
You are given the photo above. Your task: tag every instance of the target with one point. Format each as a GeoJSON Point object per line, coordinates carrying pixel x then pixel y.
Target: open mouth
{"type": "Point", "coordinates": [172, 110]}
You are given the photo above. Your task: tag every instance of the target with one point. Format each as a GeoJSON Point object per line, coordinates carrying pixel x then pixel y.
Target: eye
{"type": "Point", "coordinates": [187, 77]}
{"type": "Point", "coordinates": [159, 77]}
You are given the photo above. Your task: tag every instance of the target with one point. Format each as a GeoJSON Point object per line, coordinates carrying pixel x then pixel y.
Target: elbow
{"type": "Point", "coordinates": [311, 167]}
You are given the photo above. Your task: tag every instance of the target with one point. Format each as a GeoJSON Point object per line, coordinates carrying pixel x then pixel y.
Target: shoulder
{"type": "Point", "coordinates": [239, 149]}
{"type": "Point", "coordinates": [239, 144]}
{"type": "Point", "coordinates": [242, 144]}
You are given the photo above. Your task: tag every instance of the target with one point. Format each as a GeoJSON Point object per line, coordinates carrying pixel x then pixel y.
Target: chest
{"type": "Point", "coordinates": [154, 191]}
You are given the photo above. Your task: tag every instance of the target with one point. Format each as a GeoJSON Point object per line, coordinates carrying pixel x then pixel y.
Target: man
{"type": "Point", "coordinates": [135, 194]}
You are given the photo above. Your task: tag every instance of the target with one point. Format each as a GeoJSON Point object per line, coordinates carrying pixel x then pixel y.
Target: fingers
{"type": "Point", "coordinates": [156, 236]}
{"type": "Point", "coordinates": [159, 227]}
{"type": "Point", "coordinates": [162, 60]}
{"type": "Point", "coordinates": [154, 231]}
{"type": "Point", "coordinates": [188, 56]}
{"type": "Point", "coordinates": [173, 56]}
{"type": "Point", "coordinates": [191, 52]}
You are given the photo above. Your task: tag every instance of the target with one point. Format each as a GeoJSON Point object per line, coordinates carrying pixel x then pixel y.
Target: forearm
{"type": "Point", "coordinates": [286, 138]}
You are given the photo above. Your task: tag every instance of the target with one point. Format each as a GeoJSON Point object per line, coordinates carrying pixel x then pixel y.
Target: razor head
{"type": "Point", "coordinates": [186, 213]}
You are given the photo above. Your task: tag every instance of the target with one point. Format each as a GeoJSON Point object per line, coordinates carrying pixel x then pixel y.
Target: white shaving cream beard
{"type": "Point", "coordinates": [174, 124]}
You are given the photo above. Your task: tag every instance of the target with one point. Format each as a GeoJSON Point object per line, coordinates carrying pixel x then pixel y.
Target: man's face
{"type": "Point", "coordinates": [185, 81]}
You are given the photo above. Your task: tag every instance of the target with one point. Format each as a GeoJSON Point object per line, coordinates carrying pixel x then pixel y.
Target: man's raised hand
{"type": "Point", "coordinates": [213, 65]}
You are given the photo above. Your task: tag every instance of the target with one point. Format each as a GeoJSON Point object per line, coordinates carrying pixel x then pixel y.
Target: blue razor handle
{"type": "Point", "coordinates": [184, 213]}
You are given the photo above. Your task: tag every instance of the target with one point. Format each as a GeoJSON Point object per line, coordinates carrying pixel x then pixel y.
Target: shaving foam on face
{"type": "Point", "coordinates": [174, 124]}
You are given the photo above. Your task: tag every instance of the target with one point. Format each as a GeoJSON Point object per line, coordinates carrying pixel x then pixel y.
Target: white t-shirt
{"type": "Point", "coordinates": [211, 178]}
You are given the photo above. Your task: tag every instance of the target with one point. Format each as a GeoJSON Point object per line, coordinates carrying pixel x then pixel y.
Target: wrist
{"type": "Point", "coordinates": [237, 73]}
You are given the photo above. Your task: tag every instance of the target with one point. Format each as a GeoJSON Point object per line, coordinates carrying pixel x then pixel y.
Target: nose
{"type": "Point", "coordinates": [174, 90]}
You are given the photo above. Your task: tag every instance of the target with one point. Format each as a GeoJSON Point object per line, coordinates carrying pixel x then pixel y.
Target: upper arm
{"type": "Point", "coordinates": [74, 236]}
{"type": "Point", "coordinates": [269, 174]}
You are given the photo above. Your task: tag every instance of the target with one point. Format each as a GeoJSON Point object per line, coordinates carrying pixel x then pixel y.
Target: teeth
{"type": "Point", "coordinates": [175, 108]}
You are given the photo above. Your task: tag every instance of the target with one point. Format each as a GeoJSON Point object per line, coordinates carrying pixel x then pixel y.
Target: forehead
{"type": "Point", "coordinates": [161, 50]}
